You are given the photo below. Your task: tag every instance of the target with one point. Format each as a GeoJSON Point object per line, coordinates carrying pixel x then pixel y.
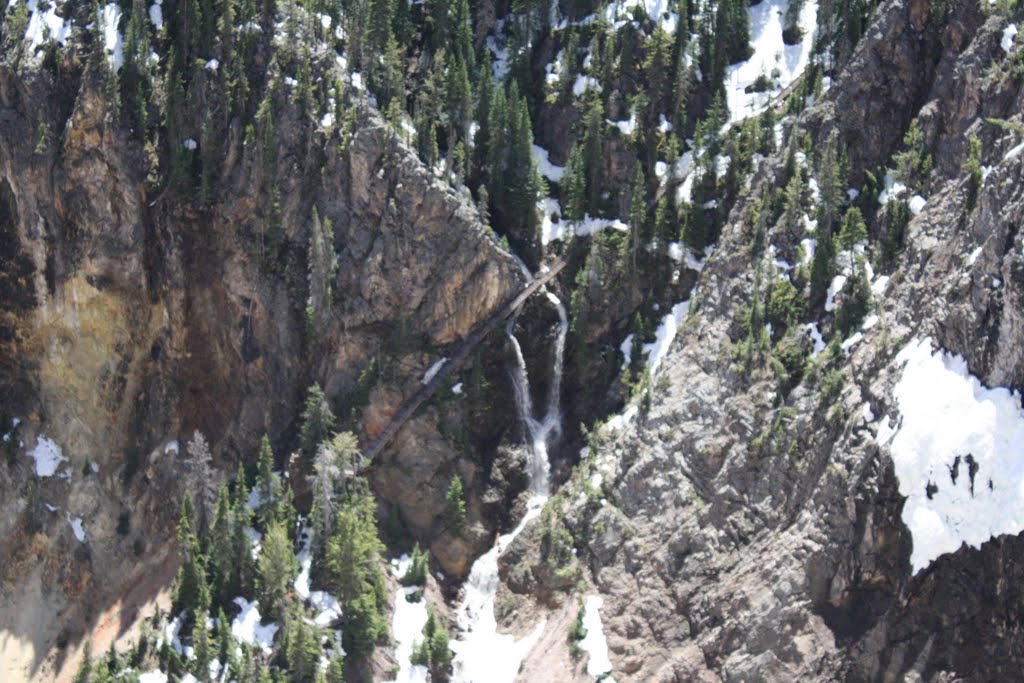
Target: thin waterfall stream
{"type": "Point", "coordinates": [482, 655]}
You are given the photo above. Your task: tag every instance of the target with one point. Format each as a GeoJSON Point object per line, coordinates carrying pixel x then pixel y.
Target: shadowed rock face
{"type": "Point", "coordinates": [130, 316]}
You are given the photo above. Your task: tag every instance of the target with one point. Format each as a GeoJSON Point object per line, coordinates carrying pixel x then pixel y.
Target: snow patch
{"type": "Point", "coordinates": [771, 55]}
{"type": "Point", "coordinates": [246, 626]}
{"type": "Point", "coordinates": [547, 169]}
{"type": "Point", "coordinates": [433, 370]}
{"type": "Point", "coordinates": [156, 14]}
{"type": "Point", "coordinates": [47, 455]}
{"type": "Point", "coordinates": [46, 25]}
{"type": "Point", "coordinates": [666, 332]}
{"type": "Point", "coordinates": [76, 527]}
{"type": "Point", "coordinates": [594, 643]}
{"type": "Point", "coordinates": [837, 284]}
{"type": "Point", "coordinates": [457, 389]}
{"type": "Point", "coordinates": [560, 229]}
{"type": "Point", "coordinates": [917, 203]}
{"type": "Point", "coordinates": [407, 627]}
{"type": "Point", "coordinates": [815, 335]}
{"type": "Point", "coordinates": [113, 44]}
{"type": "Point", "coordinates": [956, 453]}
{"type": "Point", "coordinates": [1009, 33]}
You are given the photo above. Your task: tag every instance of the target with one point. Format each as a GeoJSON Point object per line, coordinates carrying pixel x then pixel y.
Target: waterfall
{"type": "Point", "coordinates": [540, 431]}
{"type": "Point", "coordinates": [482, 655]}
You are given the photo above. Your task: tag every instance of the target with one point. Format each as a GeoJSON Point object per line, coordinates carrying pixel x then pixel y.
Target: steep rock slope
{"type": "Point", "coordinates": [740, 532]}
{"type": "Point", "coordinates": [132, 316]}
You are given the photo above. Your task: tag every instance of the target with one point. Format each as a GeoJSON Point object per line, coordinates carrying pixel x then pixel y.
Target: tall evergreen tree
{"type": "Point", "coordinates": [317, 421]}
{"type": "Point", "coordinates": [275, 571]}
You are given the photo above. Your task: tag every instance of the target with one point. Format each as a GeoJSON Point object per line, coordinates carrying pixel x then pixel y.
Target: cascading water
{"type": "Point", "coordinates": [482, 655]}
{"type": "Point", "coordinates": [540, 431]}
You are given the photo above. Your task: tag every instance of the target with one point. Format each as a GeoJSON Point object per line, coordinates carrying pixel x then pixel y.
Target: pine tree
{"type": "Point", "coordinates": [593, 152]}
{"type": "Point", "coordinates": [317, 421]}
{"type": "Point", "coordinates": [574, 185]}
{"type": "Point", "coordinates": [301, 646]}
{"type": "Point", "coordinates": [268, 485]}
{"type": "Point", "coordinates": [275, 571]}
{"type": "Point", "coordinates": [241, 546]}
{"type": "Point", "coordinates": [84, 673]}
{"type": "Point", "coordinates": [455, 510]}
{"type": "Point", "coordinates": [353, 571]}
{"type": "Point", "coordinates": [484, 97]}
{"type": "Point", "coordinates": [221, 558]}
{"type": "Point", "coordinates": [201, 645]}
{"type": "Point", "coordinates": [191, 588]}
{"type": "Point", "coordinates": [322, 263]}
{"type": "Point", "coordinates": [639, 233]}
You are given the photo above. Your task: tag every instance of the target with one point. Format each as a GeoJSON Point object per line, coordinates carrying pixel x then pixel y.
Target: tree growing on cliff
{"type": "Point", "coordinates": [455, 506]}
{"type": "Point", "coordinates": [317, 421]}
{"type": "Point", "coordinates": [201, 479]}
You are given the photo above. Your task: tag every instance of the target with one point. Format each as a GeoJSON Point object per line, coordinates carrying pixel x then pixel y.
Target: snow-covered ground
{"type": "Point", "coordinates": [407, 626]}
{"type": "Point", "coordinates": [553, 229]}
{"type": "Point", "coordinates": [112, 41]}
{"type": "Point", "coordinates": [326, 606]}
{"type": "Point", "coordinates": [957, 452]}
{"type": "Point", "coordinates": [1009, 33]}
{"type": "Point", "coordinates": [246, 627]}
{"type": "Point", "coordinates": [666, 332]}
{"type": "Point", "coordinates": [482, 655]}
{"type": "Point", "coordinates": [45, 25]}
{"type": "Point", "coordinates": [547, 169]}
{"type": "Point", "coordinates": [47, 455]}
{"type": "Point", "coordinates": [770, 54]}
{"type": "Point", "coordinates": [594, 643]}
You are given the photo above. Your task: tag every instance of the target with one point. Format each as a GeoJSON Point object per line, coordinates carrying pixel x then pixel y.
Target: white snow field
{"type": "Point", "coordinates": [771, 54]}
{"type": "Point", "coordinates": [958, 452]}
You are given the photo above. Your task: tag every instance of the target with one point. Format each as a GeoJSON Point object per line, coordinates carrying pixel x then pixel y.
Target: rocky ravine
{"type": "Point", "coordinates": [131, 317]}
{"type": "Point", "coordinates": [741, 535]}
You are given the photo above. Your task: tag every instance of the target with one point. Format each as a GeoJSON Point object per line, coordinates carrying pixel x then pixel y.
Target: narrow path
{"type": "Point", "coordinates": [474, 338]}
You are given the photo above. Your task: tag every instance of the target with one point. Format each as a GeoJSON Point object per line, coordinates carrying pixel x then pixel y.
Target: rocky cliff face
{"type": "Point", "coordinates": [740, 533]}
{"type": "Point", "coordinates": [132, 316]}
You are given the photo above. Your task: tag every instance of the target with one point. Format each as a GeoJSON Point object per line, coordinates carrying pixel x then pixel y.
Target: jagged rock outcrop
{"type": "Point", "coordinates": [740, 533]}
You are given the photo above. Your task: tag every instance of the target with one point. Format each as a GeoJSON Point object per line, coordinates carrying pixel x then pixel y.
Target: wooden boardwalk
{"type": "Point", "coordinates": [467, 345]}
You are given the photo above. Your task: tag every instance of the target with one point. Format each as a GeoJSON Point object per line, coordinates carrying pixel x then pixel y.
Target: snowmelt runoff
{"type": "Point", "coordinates": [482, 655]}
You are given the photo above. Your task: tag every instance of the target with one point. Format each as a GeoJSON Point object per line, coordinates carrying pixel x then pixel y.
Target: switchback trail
{"type": "Point", "coordinates": [474, 338]}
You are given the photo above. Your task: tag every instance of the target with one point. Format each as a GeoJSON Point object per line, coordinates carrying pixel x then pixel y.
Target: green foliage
{"type": "Point", "coordinates": [785, 306]}
{"type": "Point", "coordinates": [856, 299]}
{"type": "Point", "coordinates": [434, 651]}
{"type": "Point", "coordinates": [455, 506]}
{"type": "Point", "coordinates": [973, 168]}
{"type": "Point", "coordinates": [318, 421]}
{"type": "Point", "coordinates": [577, 632]}
{"type": "Point", "coordinates": [269, 490]}
{"type": "Point", "coordinates": [914, 163]}
{"type": "Point", "coordinates": [897, 217]}
{"type": "Point", "coordinates": [556, 541]}
{"type": "Point", "coordinates": [300, 645]}
{"type": "Point", "coordinates": [831, 386]}
{"type": "Point", "coordinates": [416, 574]}
{"type": "Point", "coordinates": [275, 571]}
{"type": "Point", "coordinates": [353, 574]}
{"type": "Point", "coordinates": [191, 590]}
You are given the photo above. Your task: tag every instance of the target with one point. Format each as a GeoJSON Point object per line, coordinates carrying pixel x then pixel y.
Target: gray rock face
{"type": "Point", "coordinates": [752, 536]}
